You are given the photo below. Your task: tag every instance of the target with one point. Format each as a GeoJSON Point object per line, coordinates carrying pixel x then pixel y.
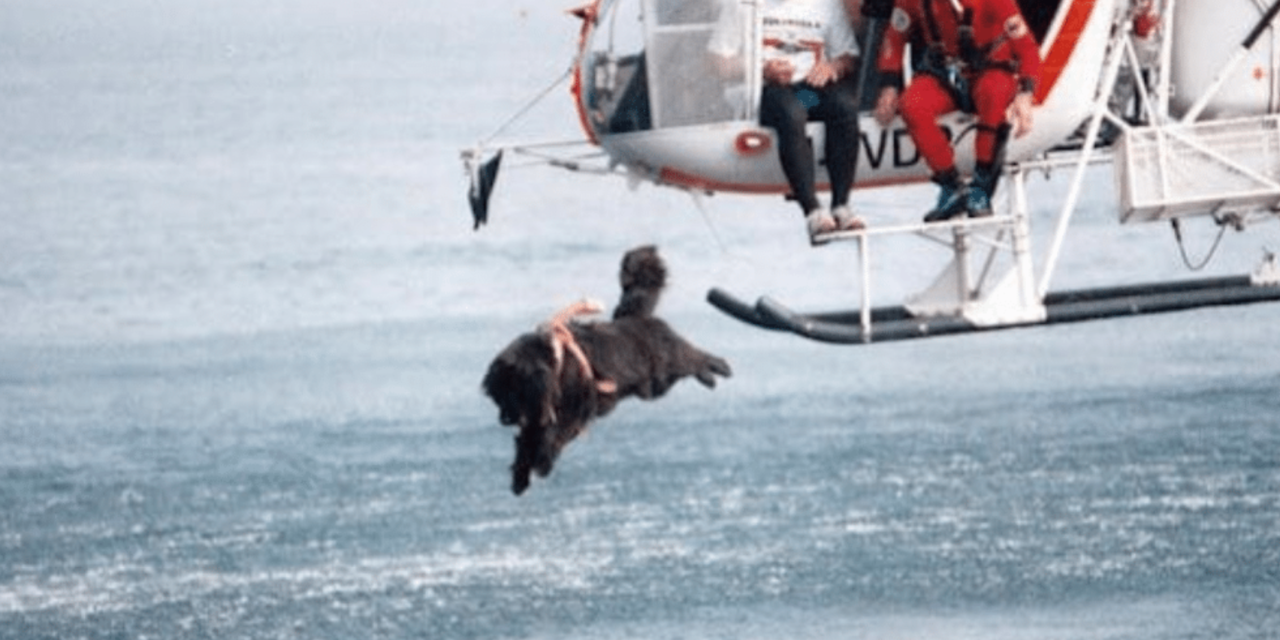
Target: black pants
{"type": "Point", "coordinates": [784, 109]}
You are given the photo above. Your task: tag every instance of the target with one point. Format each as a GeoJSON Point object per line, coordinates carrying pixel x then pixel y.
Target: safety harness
{"type": "Point", "coordinates": [562, 339]}
{"type": "Point", "coordinates": [954, 71]}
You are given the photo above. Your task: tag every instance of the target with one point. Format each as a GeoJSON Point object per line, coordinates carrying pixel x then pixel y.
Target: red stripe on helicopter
{"type": "Point", "coordinates": [589, 13]}
{"type": "Point", "coordinates": [688, 180]}
{"type": "Point", "coordinates": [1059, 53]}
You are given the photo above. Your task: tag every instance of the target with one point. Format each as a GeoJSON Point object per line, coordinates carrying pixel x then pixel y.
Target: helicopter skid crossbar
{"type": "Point", "coordinates": [930, 230]}
{"type": "Point", "coordinates": [989, 279]}
{"type": "Point", "coordinates": [971, 292]}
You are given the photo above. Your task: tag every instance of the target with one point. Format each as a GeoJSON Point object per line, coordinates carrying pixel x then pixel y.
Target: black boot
{"type": "Point", "coordinates": [951, 200]}
{"type": "Point", "coordinates": [981, 189]}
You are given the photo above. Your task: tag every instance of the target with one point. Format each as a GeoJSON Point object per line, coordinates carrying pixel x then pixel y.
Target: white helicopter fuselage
{"type": "Point", "coordinates": [691, 135]}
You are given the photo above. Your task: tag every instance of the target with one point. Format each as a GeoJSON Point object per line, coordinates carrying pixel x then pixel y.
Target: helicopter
{"type": "Point", "coordinates": [1180, 97]}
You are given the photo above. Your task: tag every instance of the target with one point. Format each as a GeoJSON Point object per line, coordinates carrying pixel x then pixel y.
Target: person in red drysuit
{"type": "Point", "coordinates": [980, 57]}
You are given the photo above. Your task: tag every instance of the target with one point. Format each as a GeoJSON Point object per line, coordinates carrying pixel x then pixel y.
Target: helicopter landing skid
{"type": "Point", "coordinates": [897, 323]}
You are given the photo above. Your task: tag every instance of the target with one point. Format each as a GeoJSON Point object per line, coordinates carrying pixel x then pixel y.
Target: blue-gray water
{"type": "Point", "coordinates": [245, 320]}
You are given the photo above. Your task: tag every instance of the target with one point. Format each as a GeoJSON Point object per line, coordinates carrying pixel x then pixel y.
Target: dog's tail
{"type": "Point", "coordinates": [642, 276]}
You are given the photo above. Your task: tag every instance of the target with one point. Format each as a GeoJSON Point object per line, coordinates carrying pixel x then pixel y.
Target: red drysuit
{"type": "Point", "coordinates": [1008, 62]}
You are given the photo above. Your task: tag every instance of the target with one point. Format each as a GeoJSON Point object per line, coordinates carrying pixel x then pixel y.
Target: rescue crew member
{"type": "Point", "coordinates": [810, 54]}
{"type": "Point", "coordinates": [979, 57]}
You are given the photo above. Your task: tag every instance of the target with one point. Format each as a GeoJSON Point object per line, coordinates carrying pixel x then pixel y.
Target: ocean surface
{"type": "Point", "coordinates": [245, 318]}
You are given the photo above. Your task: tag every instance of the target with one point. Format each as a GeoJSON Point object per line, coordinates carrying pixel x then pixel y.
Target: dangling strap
{"type": "Point", "coordinates": [937, 64]}
{"type": "Point", "coordinates": [931, 21]}
{"type": "Point", "coordinates": [562, 339]}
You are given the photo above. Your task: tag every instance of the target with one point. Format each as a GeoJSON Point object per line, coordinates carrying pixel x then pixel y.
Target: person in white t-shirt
{"type": "Point", "coordinates": [809, 62]}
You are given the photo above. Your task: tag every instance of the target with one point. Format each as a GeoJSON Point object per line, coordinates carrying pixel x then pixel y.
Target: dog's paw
{"type": "Point", "coordinates": [711, 368]}
{"type": "Point", "coordinates": [519, 479]}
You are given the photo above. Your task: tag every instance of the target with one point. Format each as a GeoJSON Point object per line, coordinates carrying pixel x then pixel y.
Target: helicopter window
{"type": "Point", "coordinates": [630, 112]}
{"type": "Point", "coordinates": [618, 92]}
{"type": "Point", "coordinates": [687, 84]}
{"type": "Point", "coordinates": [672, 12]}
{"type": "Point", "coordinates": [615, 80]}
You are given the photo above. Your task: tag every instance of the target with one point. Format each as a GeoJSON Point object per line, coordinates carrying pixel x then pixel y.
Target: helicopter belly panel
{"type": "Point", "coordinates": [742, 156]}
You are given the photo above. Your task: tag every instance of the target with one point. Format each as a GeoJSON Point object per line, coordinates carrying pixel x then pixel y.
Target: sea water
{"type": "Point", "coordinates": [245, 319]}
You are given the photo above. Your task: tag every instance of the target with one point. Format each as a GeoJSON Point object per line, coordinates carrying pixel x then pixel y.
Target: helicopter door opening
{"type": "Point", "coordinates": [648, 66]}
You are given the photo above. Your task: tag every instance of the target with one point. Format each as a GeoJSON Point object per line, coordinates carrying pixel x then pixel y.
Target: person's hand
{"type": "Point", "coordinates": [778, 71]}
{"type": "Point", "coordinates": [822, 74]}
{"type": "Point", "coordinates": [1020, 115]}
{"type": "Point", "coordinates": [886, 106]}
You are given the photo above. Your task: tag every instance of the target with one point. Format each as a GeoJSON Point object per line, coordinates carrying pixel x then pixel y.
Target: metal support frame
{"type": "Point", "coordinates": [1015, 297]}
{"type": "Point", "coordinates": [1120, 48]}
{"type": "Point", "coordinates": [981, 295]}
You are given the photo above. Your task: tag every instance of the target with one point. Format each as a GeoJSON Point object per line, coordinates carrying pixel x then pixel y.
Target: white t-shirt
{"type": "Point", "coordinates": [799, 31]}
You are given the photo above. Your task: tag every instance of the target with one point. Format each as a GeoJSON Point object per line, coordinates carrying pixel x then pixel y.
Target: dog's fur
{"type": "Point", "coordinates": [543, 389]}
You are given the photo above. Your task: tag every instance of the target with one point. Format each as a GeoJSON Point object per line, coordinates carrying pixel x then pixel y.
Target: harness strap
{"type": "Point", "coordinates": [972, 56]}
{"type": "Point", "coordinates": [562, 339]}
{"type": "Point", "coordinates": [935, 36]}
{"type": "Point", "coordinates": [955, 73]}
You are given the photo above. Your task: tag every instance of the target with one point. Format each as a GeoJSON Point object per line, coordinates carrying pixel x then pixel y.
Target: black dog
{"type": "Point", "coordinates": [550, 383]}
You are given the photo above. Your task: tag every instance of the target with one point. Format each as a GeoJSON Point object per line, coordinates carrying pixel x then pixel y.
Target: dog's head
{"type": "Point", "coordinates": [520, 379]}
{"type": "Point", "coordinates": [544, 400]}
